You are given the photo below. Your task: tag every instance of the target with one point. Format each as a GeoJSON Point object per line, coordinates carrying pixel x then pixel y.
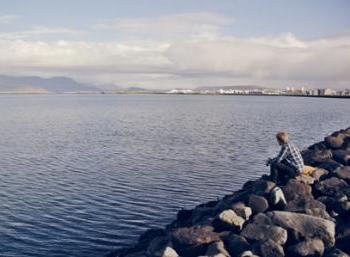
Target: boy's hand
{"type": "Point", "coordinates": [268, 161]}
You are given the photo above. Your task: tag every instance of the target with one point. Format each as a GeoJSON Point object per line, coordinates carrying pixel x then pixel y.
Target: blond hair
{"type": "Point", "coordinates": [282, 137]}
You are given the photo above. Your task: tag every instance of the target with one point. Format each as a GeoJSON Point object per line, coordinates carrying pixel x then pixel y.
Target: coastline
{"type": "Point", "coordinates": [308, 216]}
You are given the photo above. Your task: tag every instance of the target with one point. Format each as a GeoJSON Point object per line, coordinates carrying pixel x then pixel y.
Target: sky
{"type": "Point", "coordinates": [179, 44]}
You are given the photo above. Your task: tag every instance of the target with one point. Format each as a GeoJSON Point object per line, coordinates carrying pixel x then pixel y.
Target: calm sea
{"type": "Point", "coordinates": [81, 175]}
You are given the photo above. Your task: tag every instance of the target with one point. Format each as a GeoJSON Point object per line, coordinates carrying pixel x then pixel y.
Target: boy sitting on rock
{"type": "Point", "coordinates": [288, 163]}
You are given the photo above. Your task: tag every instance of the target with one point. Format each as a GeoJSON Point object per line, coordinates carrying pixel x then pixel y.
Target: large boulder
{"type": "Point", "coordinates": [236, 244]}
{"type": "Point", "coordinates": [331, 187]}
{"type": "Point", "coordinates": [159, 247]}
{"type": "Point", "coordinates": [335, 141]}
{"type": "Point", "coordinates": [308, 248]}
{"type": "Point", "coordinates": [343, 173]}
{"type": "Point", "coordinates": [199, 213]}
{"type": "Point", "coordinates": [319, 174]}
{"type": "Point", "coordinates": [242, 210]}
{"type": "Point", "coordinates": [343, 238]}
{"type": "Point", "coordinates": [342, 156]}
{"type": "Point", "coordinates": [258, 203]}
{"type": "Point", "coordinates": [305, 226]}
{"type": "Point", "coordinates": [302, 203]}
{"type": "Point", "coordinates": [294, 189]}
{"type": "Point", "coordinates": [336, 253]}
{"type": "Point", "coordinates": [264, 232]}
{"type": "Point", "coordinates": [193, 241]}
{"type": "Point", "coordinates": [262, 187]}
{"type": "Point", "coordinates": [228, 220]}
{"type": "Point", "coordinates": [270, 248]}
{"type": "Point", "coordinates": [329, 165]}
{"type": "Point", "coordinates": [217, 248]}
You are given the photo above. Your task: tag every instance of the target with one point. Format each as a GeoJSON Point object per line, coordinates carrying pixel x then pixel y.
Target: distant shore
{"type": "Point", "coordinates": [307, 216]}
{"type": "Point", "coordinates": [164, 93]}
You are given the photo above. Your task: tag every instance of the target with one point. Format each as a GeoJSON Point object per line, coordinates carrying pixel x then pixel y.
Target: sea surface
{"type": "Point", "coordinates": [81, 175]}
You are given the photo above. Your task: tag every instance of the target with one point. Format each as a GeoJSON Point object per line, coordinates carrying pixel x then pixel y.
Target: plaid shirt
{"type": "Point", "coordinates": [291, 154]}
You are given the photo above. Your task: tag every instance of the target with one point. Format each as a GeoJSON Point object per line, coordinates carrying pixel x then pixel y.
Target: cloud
{"type": "Point", "coordinates": [191, 60]}
{"type": "Point", "coordinates": [39, 32]}
{"type": "Point", "coordinates": [7, 19]}
{"type": "Point", "coordinates": [170, 26]}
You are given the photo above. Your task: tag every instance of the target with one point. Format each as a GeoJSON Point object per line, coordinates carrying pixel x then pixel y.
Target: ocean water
{"type": "Point", "coordinates": [81, 175]}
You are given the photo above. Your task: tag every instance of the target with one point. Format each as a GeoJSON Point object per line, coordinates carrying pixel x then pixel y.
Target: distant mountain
{"type": "Point", "coordinates": [34, 84]}
{"type": "Point", "coordinates": [238, 87]}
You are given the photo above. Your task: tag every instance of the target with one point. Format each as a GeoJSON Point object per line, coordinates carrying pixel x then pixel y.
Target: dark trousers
{"type": "Point", "coordinates": [281, 172]}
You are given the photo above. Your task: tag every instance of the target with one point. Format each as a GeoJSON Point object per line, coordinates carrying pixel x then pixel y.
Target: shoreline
{"type": "Point", "coordinates": [156, 93]}
{"type": "Point", "coordinates": [307, 216]}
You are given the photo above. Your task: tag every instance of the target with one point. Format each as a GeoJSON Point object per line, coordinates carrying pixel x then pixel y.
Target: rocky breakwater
{"type": "Point", "coordinates": [308, 216]}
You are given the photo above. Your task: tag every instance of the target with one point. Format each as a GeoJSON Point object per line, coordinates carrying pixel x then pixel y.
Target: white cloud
{"type": "Point", "coordinates": [40, 31]}
{"type": "Point", "coordinates": [7, 19]}
{"type": "Point", "coordinates": [189, 61]}
{"type": "Point", "coordinates": [170, 26]}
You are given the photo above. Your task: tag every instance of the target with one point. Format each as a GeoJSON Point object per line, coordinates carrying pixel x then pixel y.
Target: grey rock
{"type": "Point", "coordinates": [305, 179]}
{"type": "Point", "coordinates": [294, 189]}
{"type": "Point", "coordinates": [236, 244]}
{"type": "Point", "coordinates": [258, 203]}
{"type": "Point", "coordinates": [228, 220]}
{"type": "Point", "coordinates": [319, 174]}
{"type": "Point", "coordinates": [193, 241]}
{"type": "Point", "coordinates": [265, 232]}
{"type": "Point", "coordinates": [270, 249]}
{"type": "Point", "coordinates": [336, 253]}
{"type": "Point", "coordinates": [159, 248]}
{"type": "Point", "coordinates": [331, 186]}
{"type": "Point", "coordinates": [217, 248]}
{"type": "Point", "coordinates": [262, 219]}
{"type": "Point", "coordinates": [305, 225]}
{"type": "Point", "coordinates": [310, 247]}
{"type": "Point", "coordinates": [241, 210]}
{"type": "Point", "coordinates": [343, 173]}
{"type": "Point", "coordinates": [248, 254]}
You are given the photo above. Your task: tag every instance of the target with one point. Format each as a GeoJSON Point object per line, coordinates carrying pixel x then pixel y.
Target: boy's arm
{"type": "Point", "coordinates": [282, 154]}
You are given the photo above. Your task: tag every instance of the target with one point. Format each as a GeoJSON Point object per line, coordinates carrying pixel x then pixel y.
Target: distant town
{"type": "Point", "coordinates": [288, 91]}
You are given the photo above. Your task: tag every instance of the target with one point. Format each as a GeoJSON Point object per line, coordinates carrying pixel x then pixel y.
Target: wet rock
{"type": "Point", "coordinates": [305, 226]}
{"type": "Point", "coordinates": [336, 253]}
{"type": "Point", "coordinates": [262, 186]}
{"type": "Point", "coordinates": [343, 238]}
{"type": "Point", "coordinates": [329, 165]}
{"type": "Point", "coordinates": [315, 157]}
{"type": "Point", "coordinates": [335, 142]}
{"type": "Point", "coordinates": [201, 212]}
{"type": "Point", "coordinates": [262, 219]}
{"type": "Point", "coordinates": [228, 220]}
{"type": "Point", "coordinates": [319, 174]}
{"type": "Point", "coordinates": [236, 245]}
{"type": "Point", "coordinates": [145, 239]}
{"type": "Point", "coordinates": [217, 248]}
{"type": "Point", "coordinates": [193, 241]}
{"type": "Point", "coordinates": [331, 186]}
{"type": "Point", "coordinates": [265, 232]}
{"type": "Point", "coordinates": [242, 210]}
{"type": "Point", "coordinates": [258, 203]}
{"type": "Point", "coordinates": [342, 156]}
{"type": "Point", "coordinates": [159, 248]}
{"type": "Point", "coordinates": [308, 248]}
{"type": "Point", "coordinates": [270, 249]}
{"type": "Point", "coordinates": [343, 173]}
